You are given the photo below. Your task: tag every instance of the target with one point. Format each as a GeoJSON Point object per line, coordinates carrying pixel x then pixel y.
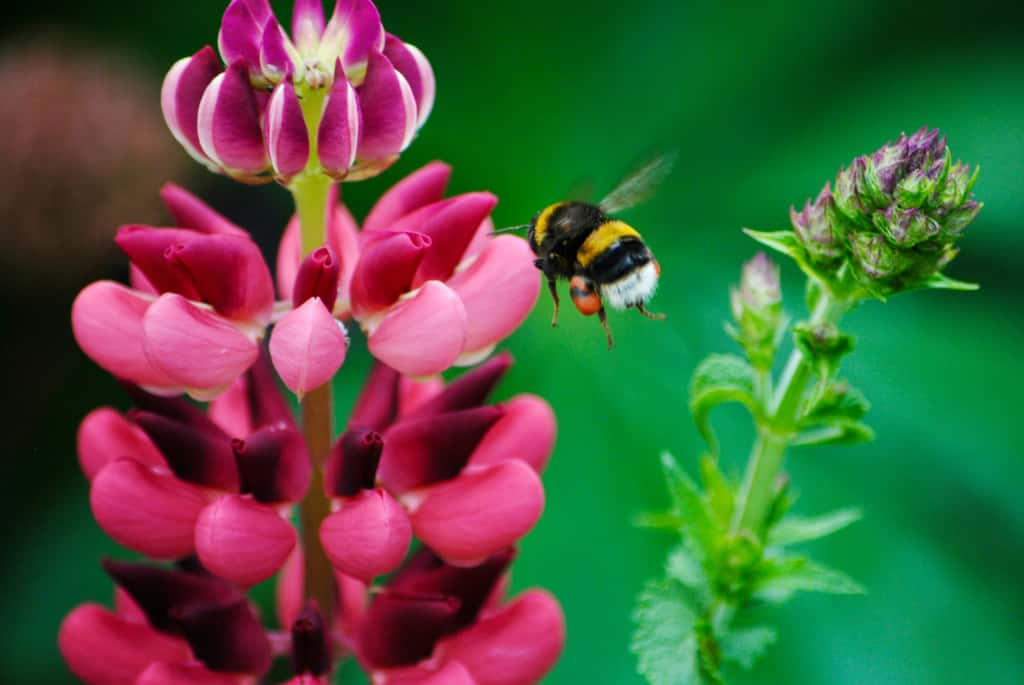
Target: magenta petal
{"type": "Point", "coordinates": [423, 335]}
{"type": "Point", "coordinates": [242, 540]}
{"type": "Point", "coordinates": [479, 513]}
{"type": "Point", "coordinates": [340, 128]}
{"type": "Point", "coordinates": [498, 290]}
{"type": "Point", "coordinates": [198, 349]}
{"type": "Point", "coordinates": [252, 402]}
{"type": "Point", "coordinates": [107, 321]}
{"type": "Point", "coordinates": [102, 648]}
{"type": "Point", "coordinates": [274, 464]}
{"type": "Point", "coordinates": [195, 455]}
{"type": "Point", "coordinates": [192, 213]}
{"type": "Point", "coordinates": [353, 34]}
{"type": "Point", "coordinates": [385, 271]}
{"type": "Point", "coordinates": [276, 60]}
{"type": "Point", "coordinates": [377, 404]}
{"type": "Point", "coordinates": [343, 238]}
{"type": "Point", "coordinates": [368, 536]}
{"type": "Point", "coordinates": [451, 230]}
{"type": "Point", "coordinates": [308, 347]}
{"type": "Point", "coordinates": [526, 431]}
{"type": "Point", "coordinates": [425, 450]}
{"type": "Point", "coordinates": [469, 390]}
{"type": "Point", "coordinates": [285, 132]}
{"type": "Point", "coordinates": [352, 463]}
{"type": "Point", "coordinates": [227, 637]}
{"type": "Point", "coordinates": [451, 673]}
{"type": "Point", "coordinates": [517, 644]}
{"type": "Point", "coordinates": [105, 436]}
{"type": "Point", "coordinates": [417, 190]}
{"type": "Point", "coordinates": [413, 393]}
{"type": "Point", "coordinates": [180, 95]}
{"type": "Point", "coordinates": [307, 25]}
{"type": "Point", "coordinates": [413, 65]}
{"type": "Point", "coordinates": [318, 277]}
{"type": "Point", "coordinates": [389, 111]}
{"type": "Point", "coordinates": [401, 628]}
{"type": "Point", "coordinates": [147, 510]}
{"type": "Point", "coordinates": [192, 673]}
{"type": "Point", "coordinates": [229, 123]}
{"type": "Point", "coordinates": [239, 36]}
{"type": "Point", "coordinates": [229, 273]}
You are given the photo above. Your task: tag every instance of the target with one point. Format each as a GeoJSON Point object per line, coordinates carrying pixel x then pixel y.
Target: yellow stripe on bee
{"type": "Point", "coordinates": [603, 237]}
{"type": "Point", "coordinates": [543, 220]}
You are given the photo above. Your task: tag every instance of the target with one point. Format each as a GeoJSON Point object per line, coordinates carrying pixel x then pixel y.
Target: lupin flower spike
{"type": "Point", "coordinates": [342, 88]}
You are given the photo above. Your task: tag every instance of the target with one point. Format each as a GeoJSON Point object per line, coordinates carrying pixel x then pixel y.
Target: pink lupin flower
{"type": "Point", "coordinates": [372, 92]}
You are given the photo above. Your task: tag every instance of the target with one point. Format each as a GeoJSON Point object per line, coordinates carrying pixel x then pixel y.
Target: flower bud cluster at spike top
{"type": "Point", "coordinates": [209, 492]}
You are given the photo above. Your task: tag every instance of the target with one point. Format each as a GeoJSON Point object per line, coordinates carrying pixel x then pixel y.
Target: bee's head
{"type": "Point", "coordinates": [634, 287]}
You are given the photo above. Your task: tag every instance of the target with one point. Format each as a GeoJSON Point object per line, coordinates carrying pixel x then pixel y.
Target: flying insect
{"type": "Point", "coordinates": [604, 258]}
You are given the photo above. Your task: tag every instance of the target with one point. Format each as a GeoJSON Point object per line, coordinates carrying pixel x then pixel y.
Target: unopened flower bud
{"type": "Point", "coordinates": [815, 227]}
{"type": "Point", "coordinates": [757, 308]}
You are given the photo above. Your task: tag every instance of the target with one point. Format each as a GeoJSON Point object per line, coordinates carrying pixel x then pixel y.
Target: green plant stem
{"type": "Point", "coordinates": [311, 190]}
{"type": "Point", "coordinates": [776, 431]}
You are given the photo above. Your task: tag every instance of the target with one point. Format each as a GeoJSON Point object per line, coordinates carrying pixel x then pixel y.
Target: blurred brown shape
{"type": "Point", "coordinates": [84, 149]}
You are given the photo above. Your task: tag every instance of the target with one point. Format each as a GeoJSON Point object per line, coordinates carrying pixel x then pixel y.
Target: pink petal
{"type": "Point", "coordinates": [251, 402]}
{"type": "Point", "coordinates": [193, 673]}
{"type": "Point", "coordinates": [240, 32]}
{"type": "Point", "coordinates": [102, 648]}
{"type": "Point", "coordinates": [423, 335]}
{"type": "Point", "coordinates": [145, 509]}
{"type": "Point", "coordinates": [308, 347]}
{"type": "Point", "coordinates": [413, 394]}
{"type": "Point", "coordinates": [285, 132]}
{"type": "Point", "coordinates": [451, 230]}
{"type": "Point", "coordinates": [353, 33]}
{"type": "Point", "coordinates": [517, 644]}
{"type": "Point", "coordinates": [425, 450]}
{"type": "Point", "coordinates": [368, 536]}
{"type": "Point", "coordinates": [274, 463]}
{"type": "Point", "coordinates": [289, 596]}
{"type": "Point", "coordinates": [242, 540]}
{"type": "Point", "coordinates": [389, 111]}
{"type": "Point", "coordinates": [318, 277]}
{"type": "Point", "coordinates": [308, 25]}
{"type": "Point", "coordinates": [229, 123]}
{"type": "Point", "coordinates": [180, 95]}
{"type": "Point", "coordinates": [422, 187]}
{"type": "Point", "coordinates": [195, 454]}
{"type": "Point", "coordinates": [479, 513]}
{"type": "Point", "coordinates": [107, 321]}
{"type": "Point", "coordinates": [278, 58]}
{"type": "Point", "coordinates": [451, 673]}
{"type": "Point", "coordinates": [340, 127]}
{"type": "Point", "coordinates": [377, 404]}
{"type": "Point", "coordinates": [198, 349]}
{"type": "Point", "coordinates": [526, 431]}
{"type": "Point", "coordinates": [413, 65]}
{"type": "Point", "coordinates": [469, 390]}
{"type": "Point", "coordinates": [385, 271]}
{"type": "Point", "coordinates": [498, 290]}
{"type": "Point", "coordinates": [105, 436]}
{"type": "Point", "coordinates": [192, 213]}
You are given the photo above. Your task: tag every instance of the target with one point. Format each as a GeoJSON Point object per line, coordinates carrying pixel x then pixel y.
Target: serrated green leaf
{"type": "Point", "coordinates": [720, 378]}
{"type": "Point", "coordinates": [689, 504]}
{"type": "Point", "coordinates": [665, 641]}
{"type": "Point", "coordinates": [683, 566]}
{"type": "Point", "coordinates": [778, 579]}
{"type": "Point", "coordinates": [745, 646]}
{"type": "Point", "coordinates": [794, 529]}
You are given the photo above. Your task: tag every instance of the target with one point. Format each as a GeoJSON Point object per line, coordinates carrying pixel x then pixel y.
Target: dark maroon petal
{"type": "Point", "coordinates": [197, 456]}
{"type": "Point", "coordinates": [226, 637]}
{"type": "Point", "coordinates": [451, 230]}
{"type": "Point", "coordinates": [318, 277]}
{"type": "Point", "coordinates": [425, 572]}
{"type": "Point", "coordinates": [429, 449]}
{"type": "Point", "coordinates": [176, 408]}
{"type": "Point", "coordinates": [273, 463]}
{"type": "Point", "coordinates": [385, 271]}
{"type": "Point", "coordinates": [469, 390]}
{"type": "Point", "coordinates": [148, 248]}
{"type": "Point", "coordinates": [352, 464]}
{"type": "Point", "coordinates": [401, 628]}
{"type": "Point", "coordinates": [159, 592]}
{"type": "Point", "coordinates": [191, 212]}
{"type": "Point", "coordinates": [311, 647]}
{"type": "Point", "coordinates": [377, 405]}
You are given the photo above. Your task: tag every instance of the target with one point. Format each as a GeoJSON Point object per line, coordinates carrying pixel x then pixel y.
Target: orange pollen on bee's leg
{"type": "Point", "coordinates": [583, 296]}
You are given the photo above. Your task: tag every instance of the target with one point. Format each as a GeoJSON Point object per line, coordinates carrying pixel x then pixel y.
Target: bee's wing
{"type": "Point", "coordinates": [581, 191]}
{"type": "Point", "coordinates": [639, 185]}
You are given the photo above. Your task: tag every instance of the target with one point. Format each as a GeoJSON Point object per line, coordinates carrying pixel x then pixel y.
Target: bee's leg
{"type": "Point", "coordinates": [649, 315]}
{"type": "Point", "coordinates": [604, 324]}
{"type": "Point", "coordinates": [553, 289]}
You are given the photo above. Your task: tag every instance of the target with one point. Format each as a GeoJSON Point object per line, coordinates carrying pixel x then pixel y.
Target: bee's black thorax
{"type": "Point", "coordinates": [557, 233]}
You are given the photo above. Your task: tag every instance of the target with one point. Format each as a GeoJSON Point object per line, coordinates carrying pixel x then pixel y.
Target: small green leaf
{"type": "Point", "coordinates": [720, 378]}
{"type": "Point", "coordinates": [785, 242]}
{"type": "Point", "coordinates": [720, 494]}
{"type": "Point", "coordinates": [663, 520]}
{"type": "Point", "coordinates": [941, 281]}
{"type": "Point", "coordinates": [689, 504]}
{"type": "Point", "coordinates": [665, 641]}
{"type": "Point", "coordinates": [684, 567]}
{"type": "Point", "coordinates": [838, 433]}
{"type": "Point", "coordinates": [778, 579]}
{"type": "Point", "coordinates": [745, 646]}
{"type": "Point", "coordinates": [794, 529]}
{"type": "Point", "coordinates": [839, 401]}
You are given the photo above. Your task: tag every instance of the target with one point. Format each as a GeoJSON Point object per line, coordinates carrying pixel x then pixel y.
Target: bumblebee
{"type": "Point", "coordinates": [604, 259]}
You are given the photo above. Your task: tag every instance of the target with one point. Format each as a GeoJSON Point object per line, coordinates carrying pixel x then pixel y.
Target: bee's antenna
{"type": "Point", "coordinates": [509, 229]}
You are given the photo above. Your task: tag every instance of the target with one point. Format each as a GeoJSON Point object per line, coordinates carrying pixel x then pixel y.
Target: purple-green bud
{"type": "Point", "coordinates": [757, 308]}
{"type": "Point", "coordinates": [816, 229]}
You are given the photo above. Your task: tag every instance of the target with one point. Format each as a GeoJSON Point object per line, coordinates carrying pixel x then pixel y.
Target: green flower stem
{"type": "Point", "coordinates": [311, 190]}
{"type": "Point", "coordinates": [777, 430]}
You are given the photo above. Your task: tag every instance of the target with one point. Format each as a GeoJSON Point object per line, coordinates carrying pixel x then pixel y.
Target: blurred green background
{"type": "Point", "coordinates": [764, 101]}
